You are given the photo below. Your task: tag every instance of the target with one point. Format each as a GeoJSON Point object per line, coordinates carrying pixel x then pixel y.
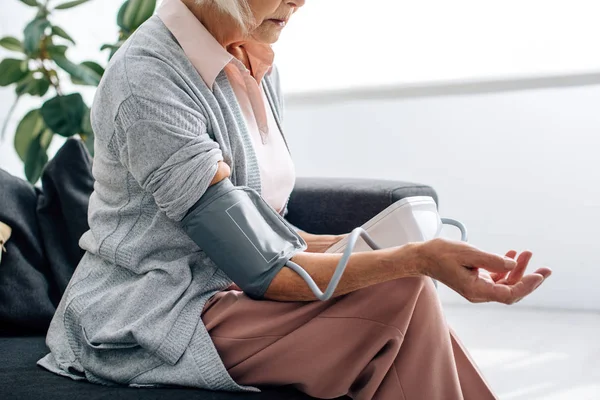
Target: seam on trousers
{"type": "Point", "coordinates": [364, 319]}
{"type": "Point", "coordinates": [251, 355]}
{"type": "Point", "coordinates": [399, 383]}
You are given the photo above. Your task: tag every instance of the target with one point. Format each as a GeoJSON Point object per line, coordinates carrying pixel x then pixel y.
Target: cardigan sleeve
{"type": "Point", "coordinates": [167, 150]}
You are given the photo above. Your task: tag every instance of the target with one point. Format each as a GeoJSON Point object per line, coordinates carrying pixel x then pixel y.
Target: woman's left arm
{"type": "Point", "coordinates": [319, 243]}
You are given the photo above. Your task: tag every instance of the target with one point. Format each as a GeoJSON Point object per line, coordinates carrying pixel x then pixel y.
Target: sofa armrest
{"type": "Point", "coordinates": [338, 205]}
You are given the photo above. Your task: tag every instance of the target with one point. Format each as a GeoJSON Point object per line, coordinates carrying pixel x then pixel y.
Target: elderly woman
{"type": "Point", "coordinates": [192, 99]}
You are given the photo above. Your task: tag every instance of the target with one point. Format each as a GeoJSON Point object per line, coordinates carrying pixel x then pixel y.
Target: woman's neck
{"type": "Point", "coordinates": [222, 27]}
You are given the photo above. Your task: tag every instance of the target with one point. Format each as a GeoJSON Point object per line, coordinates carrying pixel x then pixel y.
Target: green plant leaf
{"type": "Point", "coordinates": [87, 133]}
{"type": "Point", "coordinates": [136, 12]}
{"type": "Point", "coordinates": [94, 66]}
{"type": "Point", "coordinates": [57, 49]}
{"type": "Point", "coordinates": [108, 46]}
{"type": "Point", "coordinates": [33, 86]}
{"type": "Point", "coordinates": [34, 32]}
{"type": "Point", "coordinates": [88, 141]}
{"type": "Point", "coordinates": [32, 3]}
{"type": "Point", "coordinates": [58, 31]}
{"type": "Point", "coordinates": [35, 161]}
{"type": "Point", "coordinates": [28, 129]}
{"type": "Point", "coordinates": [70, 4]}
{"type": "Point", "coordinates": [41, 87]}
{"type": "Point", "coordinates": [42, 13]}
{"type": "Point", "coordinates": [86, 124]}
{"type": "Point", "coordinates": [46, 138]}
{"type": "Point", "coordinates": [64, 114]}
{"type": "Point", "coordinates": [11, 43]}
{"type": "Point", "coordinates": [121, 15]}
{"type": "Point", "coordinates": [113, 47]}
{"type": "Point", "coordinates": [82, 72]}
{"type": "Point", "coordinates": [11, 71]}
{"type": "Point", "coordinates": [24, 85]}
{"type": "Point", "coordinates": [91, 65]}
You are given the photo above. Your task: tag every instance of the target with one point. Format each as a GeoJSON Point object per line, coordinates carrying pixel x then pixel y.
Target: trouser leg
{"type": "Point", "coordinates": [387, 341]}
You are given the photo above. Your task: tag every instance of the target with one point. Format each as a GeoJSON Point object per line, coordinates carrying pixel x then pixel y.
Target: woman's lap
{"type": "Point", "coordinates": [321, 347]}
{"type": "Point", "coordinates": [273, 318]}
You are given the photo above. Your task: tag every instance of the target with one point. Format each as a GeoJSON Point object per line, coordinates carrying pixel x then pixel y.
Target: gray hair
{"type": "Point", "coordinates": [238, 9]}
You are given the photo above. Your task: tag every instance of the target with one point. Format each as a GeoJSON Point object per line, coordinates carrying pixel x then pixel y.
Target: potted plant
{"type": "Point", "coordinates": [38, 65]}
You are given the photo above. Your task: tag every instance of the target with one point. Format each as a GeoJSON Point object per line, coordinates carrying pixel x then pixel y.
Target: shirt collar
{"type": "Point", "coordinates": [261, 58]}
{"type": "Point", "coordinates": [202, 49]}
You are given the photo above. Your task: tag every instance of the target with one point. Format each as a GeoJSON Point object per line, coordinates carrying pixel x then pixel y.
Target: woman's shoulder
{"type": "Point", "coordinates": [149, 68]}
{"type": "Point", "coordinates": [149, 60]}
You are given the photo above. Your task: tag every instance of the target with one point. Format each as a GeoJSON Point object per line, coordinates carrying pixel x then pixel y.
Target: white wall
{"type": "Point", "coordinates": [405, 41]}
{"type": "Point", "coordinates": [520, 169]}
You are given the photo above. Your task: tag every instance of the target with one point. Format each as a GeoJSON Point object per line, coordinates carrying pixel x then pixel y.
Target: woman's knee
{"type": "Point", "coordinates": [390, 303]}
{"type": "Point", "coordinates": [400, 290]}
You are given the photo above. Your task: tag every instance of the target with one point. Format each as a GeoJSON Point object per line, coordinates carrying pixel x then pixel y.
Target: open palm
{"type": "Point", "coordinates": [515, 283]}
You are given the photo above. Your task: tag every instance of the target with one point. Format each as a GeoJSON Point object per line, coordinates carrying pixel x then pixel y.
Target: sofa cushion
{"type": "Point", "coordinates": [21, 378]}
{"type": "Point", "coordinates": [62, 207]}
{"type": "Point", "coordinates": [27, 300]}
{"type": "Point", "coordinates": [44, 250]}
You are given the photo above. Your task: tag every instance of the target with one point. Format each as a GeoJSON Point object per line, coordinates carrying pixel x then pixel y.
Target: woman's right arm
{"type": "Point", "coordinates": [364, 269]}
{"type": "Point", "coordinates": [455, 264]}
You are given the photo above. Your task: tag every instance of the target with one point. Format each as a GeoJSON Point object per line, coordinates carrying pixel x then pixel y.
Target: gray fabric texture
{"type": "Point", "coordinates": [134, 302]}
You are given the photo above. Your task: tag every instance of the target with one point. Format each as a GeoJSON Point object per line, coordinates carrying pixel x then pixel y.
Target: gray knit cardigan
{"type": "Point", "coordinates": [131, 312]}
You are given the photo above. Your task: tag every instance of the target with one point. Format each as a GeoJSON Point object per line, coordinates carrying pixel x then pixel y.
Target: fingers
{"type": "Point", "coordinates": [508, 283]}
{"type": "Point", "coordinates": [511, 254]}
{"type": "Point", "coordinates": [489, 291]}
{"type": "Point", "coordinates": [496, 276]}
{"type": "Point", "coordinates": [508, 294]}
{"type": "Point", "coordinates": [545, 272]}
{"type": "Point", "coordinates": [525, 287]}
{"type": "Point", "coordinates": [491, 262]}
{"type": "Point", "coordinates": [517, 273]}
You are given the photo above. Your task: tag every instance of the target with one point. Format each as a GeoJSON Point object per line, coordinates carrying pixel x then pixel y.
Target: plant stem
{"type": "Point", "coordinates": [48, 73]}
{"type": "Point", "coordinates": [55, 74]}
{"type": "Point", "coordinates": [10, 112]}
{"type": "Point", "coordinates": [54, 82]}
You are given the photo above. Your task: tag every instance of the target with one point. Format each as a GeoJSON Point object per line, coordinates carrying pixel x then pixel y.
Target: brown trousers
{"type": "Point", "coordinates": [385, 342]}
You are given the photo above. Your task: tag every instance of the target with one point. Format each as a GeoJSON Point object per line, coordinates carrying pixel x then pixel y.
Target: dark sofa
{"type": "Point", "coordinates": [43, 252]}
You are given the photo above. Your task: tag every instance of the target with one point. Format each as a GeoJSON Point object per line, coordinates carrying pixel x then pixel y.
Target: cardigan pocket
{"type": "Point", "coordinates": [116, 362]}
{"type": "Point", "coordinates": [106, 346]}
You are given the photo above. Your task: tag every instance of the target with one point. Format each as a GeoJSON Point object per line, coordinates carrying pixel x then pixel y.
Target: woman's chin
{"type": "Point", "coordinates": [268, 36]}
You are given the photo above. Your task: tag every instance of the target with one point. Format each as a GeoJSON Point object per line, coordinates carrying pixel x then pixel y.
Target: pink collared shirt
{"type": "Point", "coordinates": [210, 58]}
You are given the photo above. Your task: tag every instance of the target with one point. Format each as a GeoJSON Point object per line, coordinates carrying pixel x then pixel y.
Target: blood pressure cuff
{"type": "Point", "coordinates": [242, 235]}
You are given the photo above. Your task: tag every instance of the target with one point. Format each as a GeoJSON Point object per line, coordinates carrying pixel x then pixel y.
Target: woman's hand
{"type": "Point", "coordinates": [479, 276]}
